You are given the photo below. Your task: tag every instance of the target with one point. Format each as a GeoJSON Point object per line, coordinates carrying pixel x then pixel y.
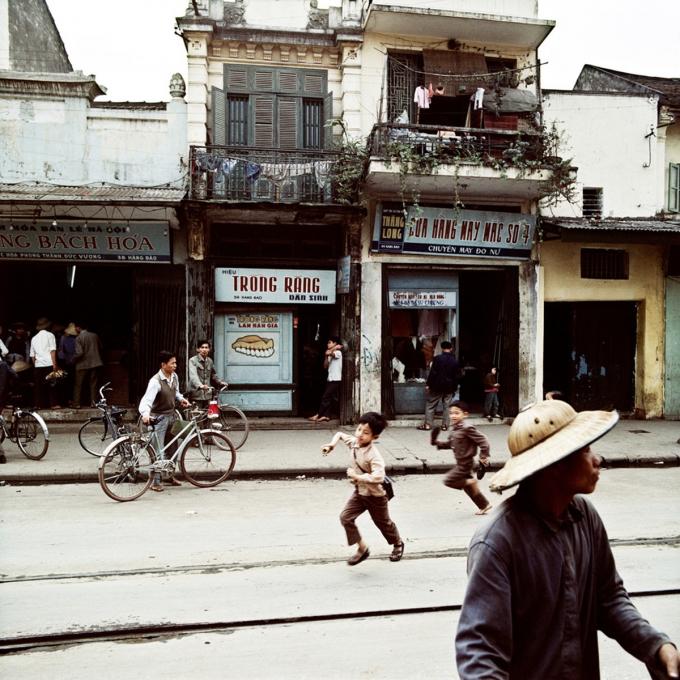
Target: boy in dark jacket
{"type": "Point", "coordinates": [464, 440]}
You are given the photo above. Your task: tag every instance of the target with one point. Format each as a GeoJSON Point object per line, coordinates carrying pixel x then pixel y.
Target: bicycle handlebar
{"type": "Point", "coordinates": [104, 388]}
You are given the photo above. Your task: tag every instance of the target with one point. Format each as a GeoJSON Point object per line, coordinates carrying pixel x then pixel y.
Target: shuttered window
{"type": "Point", "coordinates": [592, 202]}
{"type": "Point", "coordinates": [674, 187]}
{"type": "Point", "coordinates": [275, 108]}
{"type": "Point", "coordinates": [604, 263]}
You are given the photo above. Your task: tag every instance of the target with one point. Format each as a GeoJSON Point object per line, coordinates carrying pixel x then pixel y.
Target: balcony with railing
{"type": "Point", "coordinates": [436, 160]}
{"type": "Point", "coordinates": [243, 174]}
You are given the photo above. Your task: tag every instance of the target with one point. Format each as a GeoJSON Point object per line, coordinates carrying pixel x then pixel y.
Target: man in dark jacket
{"type": "Point", "coordinates": [541, 574]}
{"type": "Point", "coordinates": [441, 385]}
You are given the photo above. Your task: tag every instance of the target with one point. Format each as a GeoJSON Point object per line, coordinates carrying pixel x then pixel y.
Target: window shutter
{"type": "Point", "coordinates": [262, 79]}
{"type": "Point", "coordinates": [219, 123]}
{"type": "Point", "coordinates": [674, 187]}
{"type": "Point", "coordinates": [288, 122]}
{"type": "Point", "coordinates": [327, 128]}
{"type": "Point", "coordinates": [315, 83]}
{"type": "Point", "coordinates": [289, 81]}
{"type": "Point", "coordinates": [264, 120]}
{"type": "Point", "coordinates": [235, 78]}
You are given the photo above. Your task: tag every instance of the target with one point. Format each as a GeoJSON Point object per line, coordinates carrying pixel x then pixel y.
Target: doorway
{"type": "Point", "coordinates": [590, 353]}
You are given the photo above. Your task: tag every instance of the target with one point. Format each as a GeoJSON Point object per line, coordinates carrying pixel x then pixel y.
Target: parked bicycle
{"type": "Point", "coordinates": [28, 430]}
{"type": "Point", "coordinates": [97, 432]}
{"type": "Point", "coordinates": [205, 457]}
{"type": "Point", "coordinates": [234, 421]}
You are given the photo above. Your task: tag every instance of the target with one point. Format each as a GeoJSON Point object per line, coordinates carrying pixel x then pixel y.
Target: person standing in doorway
{"type": "Point", "coordinates": [330, 399]}
{"type": "Point", "coordinates": [441, 385]}
{"type": "Point", "coordinates": [491, 388]}
{"type": "Point", "coordinates": [88, 362]}
{"type": "Point", "coordinates": [367, 473]}
{"type": "Point", "coordinates": [44, 356]}
{"type": "Point", "coordinates": [202, 375]}
{"type": "Point", "coordinates": [66, 355]}
{"type": "Point", "coordinates": [464, 441]}
{"type": "Point", "coordinates": [159, 402]}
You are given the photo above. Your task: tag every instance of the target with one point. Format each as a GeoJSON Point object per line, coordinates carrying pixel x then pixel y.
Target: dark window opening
{"type": "Point", "coordinates": [312, 125]}
{"type": "Point", "coordinates": [592, 202]}
{"type": "Point", "coordinates": [601, 263]}
{"type": "Point", "coordinates": [673, 268]}
{"type": "Point", "coordinates": [237, 117]}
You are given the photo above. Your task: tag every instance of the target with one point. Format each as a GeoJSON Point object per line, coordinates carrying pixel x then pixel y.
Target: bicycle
{"type": "Point", "coordinates": [95, 431]}
{"type": "Point", "coordinates": [28, 430]}
{"type": "Point", "coordinates": [206, 457]}
{"type": "Point", "coordinates": [234, 422]}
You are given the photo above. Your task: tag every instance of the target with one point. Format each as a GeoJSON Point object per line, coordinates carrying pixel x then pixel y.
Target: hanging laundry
{"type": "Point", "coordinates": [277, 173]}
{"type": "Point", "coordinates": [252, 171]}
{"type": "Point", "coordinates": [422, 97]}
{"type": "Point", "coordinates": [478, 98]}
{"type": "Point", "coordinates": [322, 170]}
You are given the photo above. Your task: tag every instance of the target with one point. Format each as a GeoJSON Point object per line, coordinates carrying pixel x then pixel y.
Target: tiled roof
{"type": "Point", "coordinates": [624, 224]}
{"type": "Point", "coordinates": [88, 193]}
{"type": "Point", "coordinates": [669, 88]}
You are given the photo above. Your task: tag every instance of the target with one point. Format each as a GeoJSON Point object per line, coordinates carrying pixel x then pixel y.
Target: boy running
{"type": "Point", "coordinates": [367, 473]}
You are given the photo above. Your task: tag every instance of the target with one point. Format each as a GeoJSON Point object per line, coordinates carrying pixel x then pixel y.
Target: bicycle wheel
{"type": "Point", "coordinates": [32, 435]}
{"type": "Point", "coordinates": [234, 424]}
{"type": "Point", "coordinates": [126, 468]}
{"type": "Point", "coordinates": [208, 458]}
{"type": "Point", "coordinates": [94, 436]}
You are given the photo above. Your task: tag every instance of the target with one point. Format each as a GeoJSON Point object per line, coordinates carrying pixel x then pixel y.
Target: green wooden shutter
{"type": "Point", "coordinates": [236, 78]}
{"type": "Point", "coordinates": [219, 123]}
{"type": "Point", "coordinates": [263, 120]}
{"type": "Point", "coordinates": [288, 122]}
{"type": "Point", "coordinates": [327, 128]}
{"type": "Point", "coordinates": [674, 187]}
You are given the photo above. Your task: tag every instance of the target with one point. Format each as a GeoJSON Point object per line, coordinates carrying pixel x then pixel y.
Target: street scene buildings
{"type": "Point", "coordinates": [353, 171]}
{"type": "Point", "coordinates": [362, 182]}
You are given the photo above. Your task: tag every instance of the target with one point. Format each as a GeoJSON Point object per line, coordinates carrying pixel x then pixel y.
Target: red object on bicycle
{"type": "Point", "coordinates": [213, 410]}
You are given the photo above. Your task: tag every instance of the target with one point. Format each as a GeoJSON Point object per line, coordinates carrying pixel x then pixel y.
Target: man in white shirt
{"type": "Point", "coordinates": [333, 362]}
{"type": "Point", "coordinates": [159, 402]}
{"type": "Point", "coordinates": [44, 357]}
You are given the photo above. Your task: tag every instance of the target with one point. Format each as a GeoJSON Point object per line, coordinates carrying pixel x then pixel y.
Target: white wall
{"type": "Point", "coordinates": [64, 141]}
{"type": "Point", "coordinates": [512, 8]}
{"type": "Point", "coordinates": [604, 134]}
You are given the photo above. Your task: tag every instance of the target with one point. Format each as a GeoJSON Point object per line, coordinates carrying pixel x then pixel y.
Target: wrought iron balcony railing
{"type": "Point", "coordinates": [237, 173]}
{"type": "Point", "coordinates": [442, 144]}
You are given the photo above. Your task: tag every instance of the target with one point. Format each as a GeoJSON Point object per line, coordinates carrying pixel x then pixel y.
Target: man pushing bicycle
{"type": "Point", "coordinates": [159, 402]}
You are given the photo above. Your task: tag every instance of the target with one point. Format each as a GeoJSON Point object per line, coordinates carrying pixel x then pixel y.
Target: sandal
{"type": "Point", "coordinates": [156, 487]}
{"type": "Point", "coordinates": [322, 419]}
{"type": "Point", "coordinates": [444, 428]}
{"type": "Point", "coordinates": [358, 557]}
{"type": "Point", "coordinates": [397, 552]}
{"type": "Point", "coordinates": [485, 510]}
{"type": "Point", "coordinates": [424, 426]}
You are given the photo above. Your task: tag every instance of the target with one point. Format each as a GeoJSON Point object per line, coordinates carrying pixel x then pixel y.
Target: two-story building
{"type": "Point", "coordinates": [88, 199]}
{"type": "Point", "coordinates": [611, 258]}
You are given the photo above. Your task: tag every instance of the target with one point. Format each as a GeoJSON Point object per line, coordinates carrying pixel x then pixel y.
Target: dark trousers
{"type": "Point", "coordinates": [491, 404]}
{"type": "Point", "coordinates": [378, 510]}
{"type": "Point", "coordinates": [329, 400]}
{"type": "Point", "coordinates": [45, 394]}
{"type": "Point", "coordinates": [86, 377]}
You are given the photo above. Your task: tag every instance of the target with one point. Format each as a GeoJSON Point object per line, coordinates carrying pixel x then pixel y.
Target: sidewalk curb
{"type": "Point", "coordinates": [658, 461]}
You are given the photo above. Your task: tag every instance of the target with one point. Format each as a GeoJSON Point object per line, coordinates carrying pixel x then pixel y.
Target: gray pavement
{"type": "Point", "coordinates": [291, 447]}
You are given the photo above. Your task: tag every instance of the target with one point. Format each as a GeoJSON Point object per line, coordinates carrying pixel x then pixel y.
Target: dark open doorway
{"type": "Point", "coordinates": [590, 353]}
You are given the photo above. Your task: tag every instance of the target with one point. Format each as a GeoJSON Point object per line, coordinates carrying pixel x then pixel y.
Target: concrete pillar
{"type": "Point", "coordinates": [371, 336]}
{"type": "Point", "coordinates": [530, 336]}
{"type": "Point", "coordinates": [351, 89]}
{"type": "Point", "coordinates": [197, 90]}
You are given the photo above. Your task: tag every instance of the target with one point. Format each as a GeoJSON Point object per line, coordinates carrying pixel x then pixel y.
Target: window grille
{"type": "Point", "coordinates": [403, 74]}
{"type": "Point", "coordinates": [592, 202]}
{"type": "Point", "coordinates": [312, 126]}
{"type": "Point", "coordinates": [237, 115]}
{"type": "Point", "coordinates": [601, 263]}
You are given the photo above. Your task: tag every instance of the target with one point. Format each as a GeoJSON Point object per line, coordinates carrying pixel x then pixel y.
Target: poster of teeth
{"type": "Point", "coordinates": [253, 339]}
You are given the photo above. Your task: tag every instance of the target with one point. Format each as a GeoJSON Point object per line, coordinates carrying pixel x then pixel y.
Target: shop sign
{"type": "Point", "coordinates": [445, 231]}
{"type": "Point", "coordinates": [146, 242]}
{"type": "Point", "coordinates": [278, 286]}
{"type": "Point", "coordinates": [253, 339]}
{"type": "Point", "coordinates": [422, 299]}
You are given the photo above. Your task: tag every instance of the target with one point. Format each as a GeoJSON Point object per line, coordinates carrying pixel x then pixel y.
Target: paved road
{"type": "Point", "coordinates": [263, 561]}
